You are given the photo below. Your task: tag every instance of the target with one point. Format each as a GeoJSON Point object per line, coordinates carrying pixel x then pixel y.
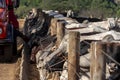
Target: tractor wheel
{"type": "Point", "coordinates": [8, 52]}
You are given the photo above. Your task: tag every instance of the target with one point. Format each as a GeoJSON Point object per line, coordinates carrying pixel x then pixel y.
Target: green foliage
{"type": "Point", "coordinates": [118, 13]}
{"type": "Point", "coordinates": [22, 11]}
{"type": "Point", "coordinates": [96, 8]}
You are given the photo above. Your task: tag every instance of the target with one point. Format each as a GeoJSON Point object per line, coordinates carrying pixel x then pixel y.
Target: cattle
{"type": "Point", "coordinates": [81, 19]}
{"type": "Point", "coordinates": [36, 23]}
{"type": "Point", "coordinates": [48, 58]}
{"type": "Point", "coordinates": [70, 13]}
{"type": "Point", "coordinates": [108, 24]}
{"type": "Point", "coordinates": [36, 28]}
{"type": "Point", "coordinates": [112, 49]}
{"type": "Point", "coordinates": [113, 60]}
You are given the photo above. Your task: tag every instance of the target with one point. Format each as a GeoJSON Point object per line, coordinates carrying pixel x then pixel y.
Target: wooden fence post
{"type": "Point", "coordinates": [53, 26]}
{"type": "Point", "coordinates": [98, 62]}
{"type": "Point", "coordinates": [60, 31]}
{"type": "Point", "coordinates": [73, 55]}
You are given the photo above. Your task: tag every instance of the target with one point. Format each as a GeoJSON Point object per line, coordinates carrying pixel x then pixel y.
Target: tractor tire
{"type": "Point", "coordinates": [8, 52]}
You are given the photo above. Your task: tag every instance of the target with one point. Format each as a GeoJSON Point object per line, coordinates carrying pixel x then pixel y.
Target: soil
{"type": "Point", "coordinates": [10, 70]}
{"type": "Point", "coordinates": [7, 71]}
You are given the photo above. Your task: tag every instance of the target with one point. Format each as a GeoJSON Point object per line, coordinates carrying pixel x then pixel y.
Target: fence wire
{"type": "Point", "coordinates": [51, 67]}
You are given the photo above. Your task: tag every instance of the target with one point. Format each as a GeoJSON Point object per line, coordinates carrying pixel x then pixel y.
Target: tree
{"type": "Point", "coordinates": [88, 7]}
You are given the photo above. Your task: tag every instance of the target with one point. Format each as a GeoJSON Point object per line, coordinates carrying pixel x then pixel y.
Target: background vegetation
{"type": "Point", "coordinates": [94, 8]}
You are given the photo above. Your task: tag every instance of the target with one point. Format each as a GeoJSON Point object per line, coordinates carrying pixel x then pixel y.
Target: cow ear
{"type": "Point", "coordinates": [116, 19]}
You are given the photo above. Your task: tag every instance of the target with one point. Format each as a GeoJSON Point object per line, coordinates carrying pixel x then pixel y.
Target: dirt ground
{"type": "Point", "coordinates": [10, 71]}
{"type": "Point", "coordinates": [7, 71]}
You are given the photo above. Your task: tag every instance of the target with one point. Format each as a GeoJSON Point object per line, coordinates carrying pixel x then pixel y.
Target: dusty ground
{"type": "Point", "coordinates": [7, 71]}
{"type": "Point", "coordinates": [10, 71]}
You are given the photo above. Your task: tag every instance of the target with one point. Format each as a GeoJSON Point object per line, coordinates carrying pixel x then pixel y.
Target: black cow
{"type": "Point", "coordinates": [81, 19]}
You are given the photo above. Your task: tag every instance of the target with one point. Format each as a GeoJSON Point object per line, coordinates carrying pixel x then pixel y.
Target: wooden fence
{"type": "Point", "coordinates": [98, 66]}
{"type": "Point", "coordinates": [98, 60]}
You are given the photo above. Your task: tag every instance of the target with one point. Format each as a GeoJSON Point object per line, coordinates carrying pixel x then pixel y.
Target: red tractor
{"type": "Point", "coordinates": [6, 35]}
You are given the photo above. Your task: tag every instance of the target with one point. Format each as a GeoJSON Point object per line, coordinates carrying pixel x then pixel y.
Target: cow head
{"type": "Point", "coordinates": [113, 50]}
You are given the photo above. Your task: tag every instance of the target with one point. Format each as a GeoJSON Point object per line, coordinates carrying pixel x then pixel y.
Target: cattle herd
{"type": "Point", "coordinates": [52, 59]}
